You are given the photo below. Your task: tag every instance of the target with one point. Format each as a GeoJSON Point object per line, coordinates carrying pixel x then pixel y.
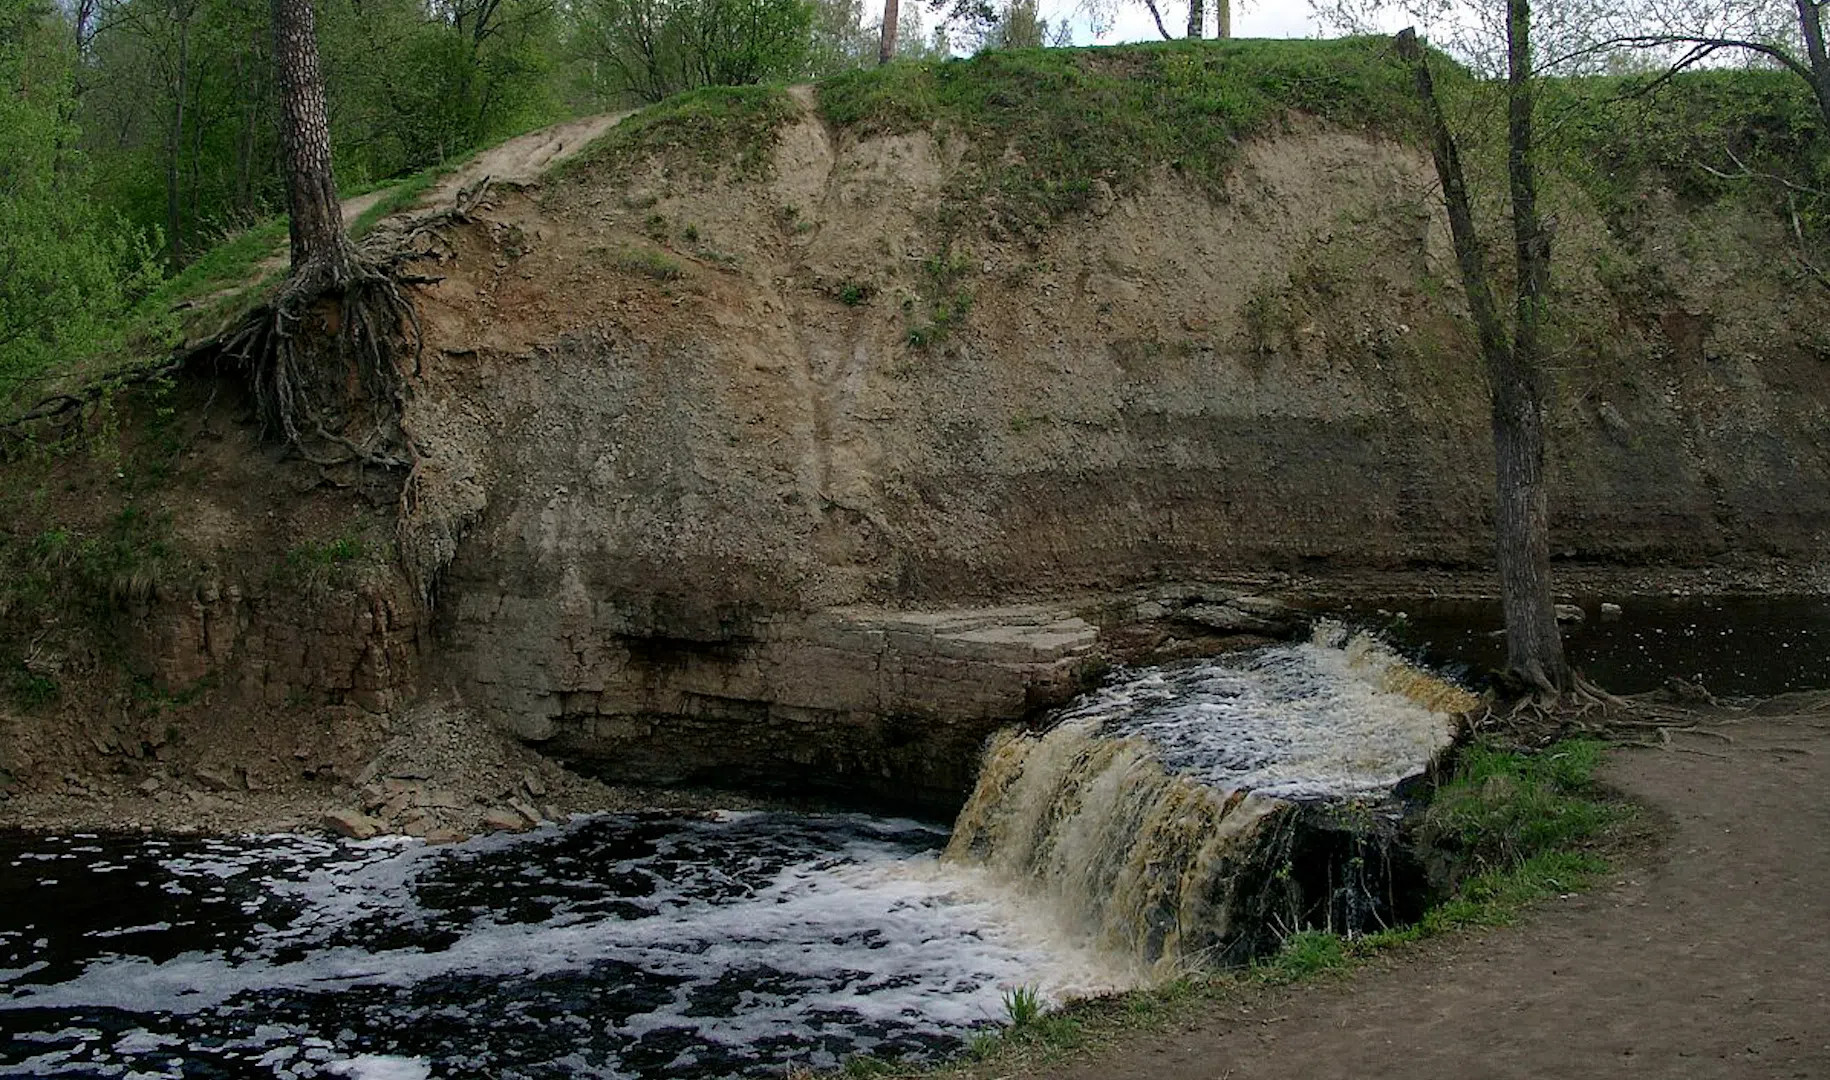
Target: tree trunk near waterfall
{"type": "Point", "coordinates": [1534, 647]}
{"type": "Point", "coordinates": [1223, 19]}
{"type": "Point", "coordinates": [886, 45]}
{"type": "Point", "coordinates": [1197, 16]}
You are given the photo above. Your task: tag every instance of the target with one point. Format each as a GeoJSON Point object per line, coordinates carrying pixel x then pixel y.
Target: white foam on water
{"type": "Point", "coordinates": [1305, 721]}
{"type": "Point", "coordinates": [381, 1067]}
{"type": "Point", "coordinates": [864, 940]}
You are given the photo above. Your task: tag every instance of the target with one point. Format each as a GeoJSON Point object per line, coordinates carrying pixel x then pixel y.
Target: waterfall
{"type": "Point", "coordinates": [1195, 815]}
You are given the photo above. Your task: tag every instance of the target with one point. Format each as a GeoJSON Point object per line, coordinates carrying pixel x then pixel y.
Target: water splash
{"type": "Point", "coordinates": [1193, 815]}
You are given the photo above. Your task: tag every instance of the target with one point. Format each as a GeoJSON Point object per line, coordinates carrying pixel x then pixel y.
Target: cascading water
{"type": "Point", "coordinates": [1197, 814]}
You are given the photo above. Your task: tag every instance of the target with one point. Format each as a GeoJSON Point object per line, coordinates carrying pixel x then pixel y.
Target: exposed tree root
{"type": "Point", "coordinates": [1646, 720]}
{"type": "Point", "coordinates": [66, 410]}
{"type": "Point", "coordinates": [326, 353]}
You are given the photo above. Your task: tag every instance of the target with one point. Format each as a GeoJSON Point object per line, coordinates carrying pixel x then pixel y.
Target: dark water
{"type": "Point", "coordinates": [648, 946]}
{"type": "Point", "coordinates": [1733, 646]}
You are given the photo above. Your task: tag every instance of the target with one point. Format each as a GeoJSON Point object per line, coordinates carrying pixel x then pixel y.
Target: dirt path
{"type": "Point", "coordinates": [1715, 962]}
{"type": "Point", "coordinates": [520, 160]}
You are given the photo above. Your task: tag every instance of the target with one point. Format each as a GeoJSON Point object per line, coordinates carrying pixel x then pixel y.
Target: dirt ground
{"type": "Point", "coordinates": [1711, 961]}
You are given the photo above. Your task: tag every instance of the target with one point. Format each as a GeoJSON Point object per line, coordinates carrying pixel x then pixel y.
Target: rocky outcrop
{"type": "Point", "coordinates": [883, 704]}
{"type": "Point", "coordinates": [357, 646]}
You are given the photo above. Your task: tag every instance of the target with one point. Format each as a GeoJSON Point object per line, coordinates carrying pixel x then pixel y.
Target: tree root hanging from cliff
{"type": "Point", "coordinates": [327, 353]}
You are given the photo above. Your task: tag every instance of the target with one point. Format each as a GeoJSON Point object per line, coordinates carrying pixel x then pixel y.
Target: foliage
{"type": "Point", "coordinates": [650, 49]}
{"type": "Point", "coordinates": [179, 100]}
{"type": "Point", "coordinates": [94, 571]}
{"type": "Point", "coordinates": [648, 263]}
{"type": "Point", "coordinates": [1695, 133]}
{"type": "Point", "coordinates": [68, 269]}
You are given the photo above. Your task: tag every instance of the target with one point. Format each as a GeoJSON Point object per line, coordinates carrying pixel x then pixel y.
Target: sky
{"type": "Point", "coordinates": [1251, 18]}
{"type": "Point", "coordinates": [1266, 18]}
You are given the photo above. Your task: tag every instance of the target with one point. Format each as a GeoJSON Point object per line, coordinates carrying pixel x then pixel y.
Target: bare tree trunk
{"type": "Point", "coordinates": [886, 48]}
{"type": "Point", "coordinates": [311, 189]}
{"type": "Point", "coordinates": [1197, 17]}
{"type": "Point", "coordinates": [1811, 23]}
{"type": "Point", "coordinates": [1223, 18]}
{"type": "Point", "coordinates": [1157, 14]}
{"type": "Point", "coordinates": [1534, 650]}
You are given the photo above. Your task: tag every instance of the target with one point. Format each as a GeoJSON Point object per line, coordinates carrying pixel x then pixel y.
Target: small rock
{"type": "Point", "coordinates": [1149, 611]}
{"type": "Point", "coordinates": [532, 815]}
{"type": "Point", "coordinates": [552, 812]}
{"type": "Point", "coordinates": [352, 823]}
{"type": "Point", "coordinates": [212, 779]}
{"type": "Point", "coordinates": [443, 835]}
{"type": "Point", "coordinates": [534, 785]}
{"type": "Point", "coordinates": [395, 806]}
{"type": "Point", "coordinates": [1227, 619]}
{"type": "Point", "coordinates": [150, 785]}
{"type": "Point", "coordinates": [1569, 613]}
{"type": "Point", "coordinates": [440, 799]}
{"type": "Point", "coordinates": [1610, 611]}
{"type": "Point", "coordinates": [497, 819]}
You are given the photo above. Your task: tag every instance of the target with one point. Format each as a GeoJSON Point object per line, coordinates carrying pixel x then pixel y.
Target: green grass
{"type": "Point", "coordinates": [1503, 808]}
{"type": "Point", "coordinates": [1022, 1006]}
{"type": "Point", "coordinates": [313, 566]}
{"type": "Point", "coordinates": [1043, 125]}
{"type": "Point", "coordinates": [702, 132]}
{"type": "Point", "coordinates": [648, 263]}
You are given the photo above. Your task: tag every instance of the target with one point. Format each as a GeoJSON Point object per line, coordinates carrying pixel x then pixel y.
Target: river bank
{"type": "Point", "coordinates": [435, 769]}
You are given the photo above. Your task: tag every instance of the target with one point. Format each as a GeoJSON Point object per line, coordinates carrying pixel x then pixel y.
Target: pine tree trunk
{"type": "Point", "coordinates": [1811, 23]}
{"type": "Point", "coordinates": [1534, 650]}
{"type": "Point", "coordinates": [1197, 16]}
{"type": "Point", "coordinates": [311, 189]}
{"type": "Point", "coordinates": [886, 47]}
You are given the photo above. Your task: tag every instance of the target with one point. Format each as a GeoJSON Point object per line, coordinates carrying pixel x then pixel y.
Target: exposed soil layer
{"type": "Point", "coordinates": [1708, 963]}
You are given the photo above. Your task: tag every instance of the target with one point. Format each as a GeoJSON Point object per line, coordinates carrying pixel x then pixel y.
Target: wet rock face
{"type": "Point", "coordinates": [889, 706]}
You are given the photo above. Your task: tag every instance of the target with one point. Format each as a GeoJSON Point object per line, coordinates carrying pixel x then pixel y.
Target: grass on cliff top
{"type": "Point", "coordinates": [1506, 831]}
{"type": "Point", "coordinates": [1046, 123]}
{"type": "Point", "coordinates": [700, 131]}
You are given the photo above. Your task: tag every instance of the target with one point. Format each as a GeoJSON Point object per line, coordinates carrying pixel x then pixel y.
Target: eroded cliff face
{"type": "Point", "coordinates": [681, 419]}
